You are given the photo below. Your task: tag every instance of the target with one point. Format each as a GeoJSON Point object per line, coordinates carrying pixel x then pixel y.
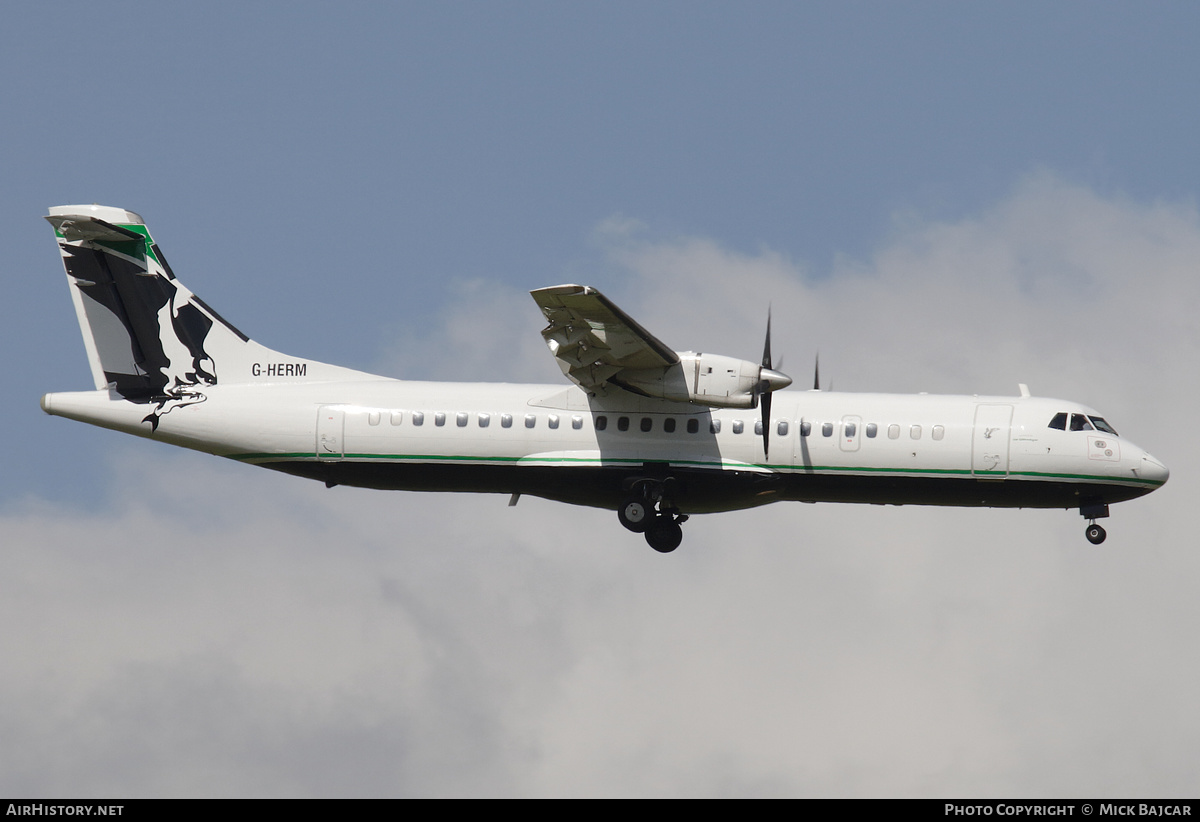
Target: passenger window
{"type": "Point", "coordinates": [397, 417]}
{"type": "Point", "coordinates": [805, 428]}
{"type": "Point", "coordinates": [1080, 423]}
{"type": "Point", "coordinates": [939, 431]}
{"type": "Point", "coordinates": [647, 424]}
{"type": "Point", "coordinates": [669, 425]}
{"type": "Point", "coordinates": [552, 421]}
{"type": "Point", "coordinates": [577, 423]}
{"type": "Point", "coordinates": [484, 420]}
{"type": "Point", "coordinates": [826, 429]}
{"type": "Point", "coordinates": [893, 432]}
{"type": "Point", "coordinates": [530, 420]}
{"type": "Point", "coordinates": [714, 427]}
{"type": "Point", "coordinates": [460, 419]}
{"type": "Point", "coordinates": [601, 422]}
{"type": "Point", "coordinates": [915, 432]}
{"type": "Point", "coordinates": [373, 418]}
{"type": "Point", "coordinates": [439, 418]}
{"type": "Point", "coordinates": [758, 428]}
{"type": "Point", "coordinates": [1059, 421]}
{"type": "Point", "coordinates": [418, 417]}
{"type": "Point", "coordinates": [850, 429]}
{"type": "Point", "coordinates": [622, 423]}
{"type": "Point", "coordinates": [693, 425]}
{"type": "Point", "coordinates": [737, 426]}
{"type": "Point", "coordinates": [782, 428]}
{"type": "Point", "coordinates": [506, 420]}
{"type": "Point", "coordinates": [872, 430]}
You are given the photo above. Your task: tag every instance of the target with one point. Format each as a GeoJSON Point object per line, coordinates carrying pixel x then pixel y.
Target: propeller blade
{"type": "Point", "coordinates": [817, 373]}
{"type": "Point", "coordinates": [766, 423]}
{"type": "Point", "coordinates": [766, 360]}
{"type": "Point", "coordinates": [768, 380]}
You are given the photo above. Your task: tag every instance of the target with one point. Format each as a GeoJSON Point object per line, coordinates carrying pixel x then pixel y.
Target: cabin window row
{"type": "Point", "coordinates": [646, 424]}
{"type": "Point", "coordinates": [871, 430]}
{"type": "Point", "coordinates": [462, 419]}
{"type": "Point", "coordinates": [782, 427]}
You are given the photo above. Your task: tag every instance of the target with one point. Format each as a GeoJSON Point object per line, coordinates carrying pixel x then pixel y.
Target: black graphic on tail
{"type": "Point", "coordinates": [149, 339]}
{"type": "Point", "coordinates": [149, 332]}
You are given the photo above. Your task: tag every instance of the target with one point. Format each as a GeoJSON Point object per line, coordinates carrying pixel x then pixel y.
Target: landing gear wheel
{"type": "Point", "coordinates": [1095, 534]}
{"type": "Point", "coordinates": [636, 514]}
{"type": "Point", "coordinates": [664, 534]}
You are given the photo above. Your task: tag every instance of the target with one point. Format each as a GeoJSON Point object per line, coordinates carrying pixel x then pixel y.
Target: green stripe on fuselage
{"type": "Point", "coordinates": [722, 465]}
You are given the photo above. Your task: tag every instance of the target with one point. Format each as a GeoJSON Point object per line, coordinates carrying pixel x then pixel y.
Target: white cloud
{"type": "Point", "coordinates": [224, 632]}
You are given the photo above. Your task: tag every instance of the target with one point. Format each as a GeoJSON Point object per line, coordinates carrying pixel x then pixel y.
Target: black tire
{"type": "Point", "coordinates": [665, 534]}
{"type": "Point", "coordinates": [636, 514]}
{"type": "Point", "coordinates": [1095, 534]}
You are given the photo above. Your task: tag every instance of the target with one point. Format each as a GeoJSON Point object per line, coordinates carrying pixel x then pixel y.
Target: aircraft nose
{"type": "Point", "coordinates": [1153, 470]}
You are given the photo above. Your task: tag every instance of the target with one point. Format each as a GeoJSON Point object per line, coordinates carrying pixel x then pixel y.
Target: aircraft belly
{"type": "Point", "coordinates": [893, 489]}
{"type": "Point", "coordinates": [700, 490]}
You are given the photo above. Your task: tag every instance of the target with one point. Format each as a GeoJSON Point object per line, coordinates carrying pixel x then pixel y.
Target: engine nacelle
{"type": "Point", "coordinates": [722, 382]}
{"type": "Point", "coordinates": [705, 379]}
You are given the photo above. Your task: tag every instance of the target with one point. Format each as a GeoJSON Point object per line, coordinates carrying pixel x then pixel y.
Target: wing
{"type": "Point", "coordinates": [594, 341]}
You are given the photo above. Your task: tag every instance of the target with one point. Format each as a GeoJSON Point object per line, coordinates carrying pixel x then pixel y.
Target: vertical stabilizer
{"type": "Point", "coordinates": [146, 335]}
{"type": "Point", "coordinates": [149, 339]}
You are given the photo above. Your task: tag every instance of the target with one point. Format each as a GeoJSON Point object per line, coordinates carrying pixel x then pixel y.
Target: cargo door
{"type": "Point", "coordinates": [331, 427]}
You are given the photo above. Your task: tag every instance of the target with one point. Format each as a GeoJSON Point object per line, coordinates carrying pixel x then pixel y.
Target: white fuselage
{"type": "Point", "coordinates": [562, 444]}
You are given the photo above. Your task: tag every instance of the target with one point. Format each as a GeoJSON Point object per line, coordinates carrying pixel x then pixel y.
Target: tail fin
{"type": "Point", "coordinates": [149, 339]}
{"type": "Point", "coordinates": [146, 335]}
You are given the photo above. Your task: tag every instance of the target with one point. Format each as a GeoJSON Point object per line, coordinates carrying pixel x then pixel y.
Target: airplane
{"type": "Point", "coordinates": [655, 434]}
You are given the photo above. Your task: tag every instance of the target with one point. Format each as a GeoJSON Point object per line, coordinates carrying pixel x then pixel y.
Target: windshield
{"type": "Point", "coordinates": [1081, 422]}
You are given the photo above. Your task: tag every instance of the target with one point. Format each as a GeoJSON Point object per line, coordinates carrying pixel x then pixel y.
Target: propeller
{"type": "Point", "coordinates": [769, 380]}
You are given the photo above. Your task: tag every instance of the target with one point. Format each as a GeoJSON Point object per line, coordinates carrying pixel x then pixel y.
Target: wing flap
{"type": "Point", "coordinates": [594, 340]}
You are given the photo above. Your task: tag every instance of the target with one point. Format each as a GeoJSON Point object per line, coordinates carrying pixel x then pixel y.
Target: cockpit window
{"type": "Point", "coordinates": [1079, 422]}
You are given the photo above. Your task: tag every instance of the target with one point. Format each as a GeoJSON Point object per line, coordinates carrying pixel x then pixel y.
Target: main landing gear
{"type": "Point", "coordinates": [1094, 533]}
{"type": "Point", "coordinates": [649, 511]}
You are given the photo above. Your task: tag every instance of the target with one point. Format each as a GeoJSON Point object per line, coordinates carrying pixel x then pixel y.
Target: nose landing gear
{"type": "Point", "coordinates": [1092, 512]}
{"type": "Point", "coordinates": [649, 511]}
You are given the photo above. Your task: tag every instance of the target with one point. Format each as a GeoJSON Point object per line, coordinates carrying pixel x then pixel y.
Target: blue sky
{"type": "Point", "coordinates": [940, 196]}
{"type": "Point", "coordinates": [328, 178]}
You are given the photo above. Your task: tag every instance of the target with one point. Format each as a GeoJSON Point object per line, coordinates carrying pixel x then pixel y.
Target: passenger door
{"type": "Point", "coordinates": [989, 445]}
